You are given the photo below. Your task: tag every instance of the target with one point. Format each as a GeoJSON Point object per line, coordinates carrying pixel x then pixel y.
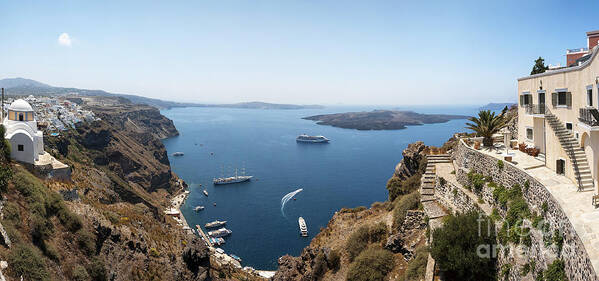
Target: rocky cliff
{"type": "Point", "coordinates": [107, 223]}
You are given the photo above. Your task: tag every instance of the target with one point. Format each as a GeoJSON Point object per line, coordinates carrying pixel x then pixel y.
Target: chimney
{"type": "Point", "coordinates": [592, 39]}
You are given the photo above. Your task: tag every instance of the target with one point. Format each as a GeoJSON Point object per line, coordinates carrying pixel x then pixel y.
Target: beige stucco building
{"type": "Point", "coordinates": [558, 114]}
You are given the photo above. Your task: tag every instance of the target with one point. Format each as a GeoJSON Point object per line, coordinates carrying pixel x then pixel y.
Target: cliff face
{"type": "Point", "coordinates": [409, 164]}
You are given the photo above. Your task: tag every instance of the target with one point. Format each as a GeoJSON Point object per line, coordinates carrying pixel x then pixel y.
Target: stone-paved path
{"type": "Point", "coordinates": [433, 210]}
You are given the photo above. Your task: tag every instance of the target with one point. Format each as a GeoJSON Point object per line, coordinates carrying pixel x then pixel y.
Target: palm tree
{"type": "Point", "coordinates": [487, 124]}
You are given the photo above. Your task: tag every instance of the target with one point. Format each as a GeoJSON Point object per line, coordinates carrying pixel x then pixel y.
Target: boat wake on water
{"type": "Point", "coordinates": [286, 199]}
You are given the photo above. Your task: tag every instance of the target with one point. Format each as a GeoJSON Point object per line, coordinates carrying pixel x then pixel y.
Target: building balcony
{"type": "Point", "coordinates": [535, 109]}
{"type": "Point", "coordinates": [589, 116]}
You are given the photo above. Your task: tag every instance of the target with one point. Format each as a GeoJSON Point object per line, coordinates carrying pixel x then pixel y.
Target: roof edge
{"type": "Point", "coordinates": [564, 70]}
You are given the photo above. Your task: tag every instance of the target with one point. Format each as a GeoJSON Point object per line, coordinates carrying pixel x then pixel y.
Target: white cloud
{"type": "Point", "coordinates": [64, 39]}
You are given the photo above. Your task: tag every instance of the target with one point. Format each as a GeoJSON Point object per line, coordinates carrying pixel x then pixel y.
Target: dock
{"type": "Point", "coordinates": [203, 235]}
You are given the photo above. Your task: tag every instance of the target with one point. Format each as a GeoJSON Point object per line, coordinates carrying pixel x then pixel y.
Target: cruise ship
{"type": "Point", "coordinates": [221, 232]}
{"type": "Point", "coordinates": [302, 226]}
{"type": "Point", "coordinates": [234, 179]}
{"type": "Point", "coordinates": [311, 139]}
{"type": "Point", "coordinates": [215, 223]}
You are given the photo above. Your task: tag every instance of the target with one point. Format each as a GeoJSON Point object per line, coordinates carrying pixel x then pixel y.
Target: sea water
{"type": "Point", "coordinates": [350, 171]}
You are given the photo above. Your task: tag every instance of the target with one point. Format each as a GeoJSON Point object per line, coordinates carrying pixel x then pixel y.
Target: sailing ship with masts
{"type": "Point", "coordinates": [233, 179]}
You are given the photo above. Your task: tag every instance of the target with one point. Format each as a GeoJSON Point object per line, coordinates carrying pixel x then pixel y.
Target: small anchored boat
{"type": "Point", "coordinates": [205, 192]}
{"type": "Point", "coordinates": [302, 226]}
{"type": "Point", "coordinates": [198, 208]}
{"type": "Point", "coordinates": [178, 153]}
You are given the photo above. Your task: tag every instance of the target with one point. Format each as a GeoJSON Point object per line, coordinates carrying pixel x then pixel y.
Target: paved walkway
{"type": "Point", "coordinates": [432, 209]}
{"type": "Point", "coordinates": [577, 206]}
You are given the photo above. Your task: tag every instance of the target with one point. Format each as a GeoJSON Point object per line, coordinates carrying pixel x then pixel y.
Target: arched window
{"type": "Point", "coordinates": [20, 116]}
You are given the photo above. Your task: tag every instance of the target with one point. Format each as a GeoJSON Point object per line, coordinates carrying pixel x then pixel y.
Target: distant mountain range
{"type": "Point", "coordinates": [23, 86]}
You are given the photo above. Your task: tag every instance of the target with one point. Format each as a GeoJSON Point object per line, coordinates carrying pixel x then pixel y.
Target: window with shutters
{"type": "Point", "coordinates": [561, 98]}
{"type": "Point", "coordinates": [529, 133]}
{"type": "Point", "coordinates": [525, 99]}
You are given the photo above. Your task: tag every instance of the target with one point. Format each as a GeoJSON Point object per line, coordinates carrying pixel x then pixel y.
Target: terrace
{"type": "Point", "coordinates": [577, 206]}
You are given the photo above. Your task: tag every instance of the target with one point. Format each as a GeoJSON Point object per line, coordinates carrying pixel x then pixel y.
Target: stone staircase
{"type": "Point", "coordinates": [427, 192]}
{"type": "Point", "coordinates": [440, 158]}
{"type": "Point", "coordinates": [582, 170]}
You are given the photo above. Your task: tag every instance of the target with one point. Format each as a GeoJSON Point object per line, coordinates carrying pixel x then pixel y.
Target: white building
{"type": "Point", "coordinates": [26, 141]}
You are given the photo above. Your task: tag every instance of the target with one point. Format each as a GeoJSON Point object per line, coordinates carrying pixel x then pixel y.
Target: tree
{"type": "Point", "coordinates": [463, 247]}
{"type": "Point", "coordinates": [487, 124]}
{"type": "Point", "coordinates": [539, 66]}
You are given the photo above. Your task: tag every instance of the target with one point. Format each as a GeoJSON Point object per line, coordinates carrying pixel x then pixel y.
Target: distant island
{"type": "Point", "coordinates": [381, 119]}
{"type": "Point", "coordinates": [25, 87]}
{"type": "Point", "coordinates": [264, 105]}
{"type": "Point", "coordinates": [497, 105]}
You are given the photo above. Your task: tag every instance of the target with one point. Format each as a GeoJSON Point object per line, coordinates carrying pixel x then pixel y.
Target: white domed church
{"type": "Point", "coordinates": [26, 141]}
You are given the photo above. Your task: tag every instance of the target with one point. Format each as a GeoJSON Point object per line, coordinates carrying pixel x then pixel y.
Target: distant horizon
{"type": "Point", "coordinates": [251, 101]}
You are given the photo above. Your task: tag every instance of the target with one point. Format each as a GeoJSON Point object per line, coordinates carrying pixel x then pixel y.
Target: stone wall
{"type": "Point", "coordinates": [577, 263]}
{"type": "Point", "coordinates": [453, 197]}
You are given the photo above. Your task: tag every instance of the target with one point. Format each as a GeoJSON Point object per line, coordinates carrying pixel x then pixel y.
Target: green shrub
{"type": "Point", "coordinates": [97, 270]}
{"type": "Point", "coordinates": [477, 181]}
{"type": "Point", "coordinates": [11, 212]}
{"type": "Point", "coordinates": [505, 270]}
{"type": "Point", "coordinates": [558, 239]}
{"type": "Point", "coordinates": [357, 242]}
{"type": "Point", "coordinates": [500, 164]}
{"type": "Point", "coordinates": [378, 232]}
{"type": "Point", "coordinates": [555, 271]}
{"type": "Point", "coordinates": [373, 264]}
{"type": "Point", "coordinates": [525, 269]}
{"type": "Point", "coordinates": [50, 251]}
{"type": "Point", "coordinates": [41, 228]}
{"type": "Point", "coordinates": [319, 267]}
{"type": "Point", "coordinates": [455, 247]}
{"type": "Point", "coordinates": [544, 207]}
{"type": "Point", "coordinates": [70, 220]}
{"type": "Point", "coordinates": [5, 176]}
{"type": "Point", "coordinates": [79, 273]}
{"type": "Point", "coordinates": [495, 214]}
{"type": "Point", "coordinates": [398, 187]}
{"type": "Point", "coordinates": [417, 266]}
{"type": "Point", "coordinates": [353, 210]}
{"type": "Point", "coordinates": [334, 260]}
{"type": "Point", "coordinates": [26, 261]}
{"type": "Point", "coordinates": [442, 181]}
{"type": "Point", "coordinates": [405, 203]}
{"type": "Point", "coordinates": [86, 241]}
{"type": "Point", "coordinates": [518, 210]}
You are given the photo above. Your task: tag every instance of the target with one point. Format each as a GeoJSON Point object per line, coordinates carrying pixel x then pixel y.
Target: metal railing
{"type": "Point", "coordinates": [566, 145]}
{"type": "Point", "coordinates": [535, 108]}
{"type": "Point", "coordinates": [578, 50]}
{"type": "Point", "coordinates": [588, 116]}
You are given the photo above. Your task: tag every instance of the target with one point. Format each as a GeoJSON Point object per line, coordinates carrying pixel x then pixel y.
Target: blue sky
{"type": "Point", "coordinates": [325, 52]}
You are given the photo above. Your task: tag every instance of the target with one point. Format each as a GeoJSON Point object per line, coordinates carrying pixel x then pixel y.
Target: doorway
{"type": "Point", "coordinates": [560, 167]}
